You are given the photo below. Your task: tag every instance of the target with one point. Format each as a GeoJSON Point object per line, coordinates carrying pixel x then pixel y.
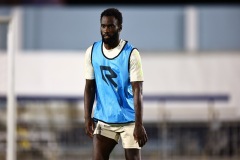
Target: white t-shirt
{"type": "Point", "coordinates": [136, 72]}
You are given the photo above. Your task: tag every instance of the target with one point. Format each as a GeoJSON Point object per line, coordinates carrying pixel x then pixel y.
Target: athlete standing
{"type": "Point", "coordinates": [114, 80]}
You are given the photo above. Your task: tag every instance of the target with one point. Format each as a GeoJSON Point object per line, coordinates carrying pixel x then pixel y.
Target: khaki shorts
{"type": "Point", "coordinates": [115, 131]}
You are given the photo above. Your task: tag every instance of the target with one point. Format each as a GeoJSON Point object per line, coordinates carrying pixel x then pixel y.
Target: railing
{"type": "Point", "coordinates": [161, 133]}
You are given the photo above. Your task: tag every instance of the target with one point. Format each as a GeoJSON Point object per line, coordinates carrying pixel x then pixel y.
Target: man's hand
{"type": "Point", "coordinates": [89, 127]}
{"type": "Point", "coordinates": [140, 135]}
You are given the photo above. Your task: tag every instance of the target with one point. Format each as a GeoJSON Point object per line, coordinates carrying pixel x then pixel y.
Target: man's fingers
{"type": "Point", "coordinates": [140, 137]}
{"type": "Point", "coordinates": [90, 134]}
{"type": "Point", "coordinates": [146, 138]}
{"type": "Point", "coordinates": [89, 128]}
{"type": "Point", "coordinates": [89, 131]}
{"type": "Point", "coordinates": [141, 143]}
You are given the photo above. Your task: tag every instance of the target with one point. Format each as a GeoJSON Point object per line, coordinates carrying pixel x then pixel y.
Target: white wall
{"type": "Point", "coordinates": [45, 74]}
{"type": "Point", "coordinates": [212, 73]}
{"type": "Point", "coordinates": [61, 74]}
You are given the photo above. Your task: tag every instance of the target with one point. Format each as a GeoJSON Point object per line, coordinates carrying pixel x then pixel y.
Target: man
{"type": "Point", "coordinates": [113, 73]}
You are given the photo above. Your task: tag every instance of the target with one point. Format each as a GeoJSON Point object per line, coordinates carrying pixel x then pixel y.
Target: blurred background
{"type": "Point", "coordinates": [191, 63]}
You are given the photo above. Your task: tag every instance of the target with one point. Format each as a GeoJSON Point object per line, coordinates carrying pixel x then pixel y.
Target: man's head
{"type": "Point", "coordinates": [113, 12]}
{"type": "Point", "coordinates": [111, 25]}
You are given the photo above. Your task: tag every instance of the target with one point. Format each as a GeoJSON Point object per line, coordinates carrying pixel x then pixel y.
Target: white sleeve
{"type": "Point", "coordinates": [88, 68]}
{"type": "Point", "coordinates": [136, 72]}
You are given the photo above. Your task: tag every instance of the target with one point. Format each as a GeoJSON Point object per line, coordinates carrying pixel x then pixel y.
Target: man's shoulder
{"type": "Point", "coordinates": [89, 48]}
{"type": "Point", "coordinates": [132, 47]}
{"type": "Point", "coordinates": [99, 41]}
{"type": "Point", "coordinates": [129, 44]}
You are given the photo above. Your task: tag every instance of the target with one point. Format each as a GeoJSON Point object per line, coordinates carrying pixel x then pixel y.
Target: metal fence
{"type": "Point", "coordinates": [54, 130]}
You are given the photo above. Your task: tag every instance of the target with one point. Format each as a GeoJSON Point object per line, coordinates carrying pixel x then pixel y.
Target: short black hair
{"type": "Point", "coordinates": [113, 12]}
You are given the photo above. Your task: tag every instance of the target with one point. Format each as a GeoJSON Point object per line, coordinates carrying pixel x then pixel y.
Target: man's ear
{"type": "Point", "coordinates": [120, 28]}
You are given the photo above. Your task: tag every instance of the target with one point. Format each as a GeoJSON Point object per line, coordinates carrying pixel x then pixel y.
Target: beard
{"type": "Point", "coordinates": [111, 40]}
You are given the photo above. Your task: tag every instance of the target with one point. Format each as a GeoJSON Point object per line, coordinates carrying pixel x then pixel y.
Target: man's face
{"type": "Point", "coordinates": [109, 29]}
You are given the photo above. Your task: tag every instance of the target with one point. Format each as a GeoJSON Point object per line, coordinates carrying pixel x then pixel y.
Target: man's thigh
{"type": "Point", "coordinates": [102, 147]}
{"type": "Point", "coordinates": [132, 154]}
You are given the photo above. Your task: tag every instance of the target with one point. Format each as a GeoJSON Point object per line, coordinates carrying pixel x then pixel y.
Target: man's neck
{"type": "Point", "coordinates": [111, 46]}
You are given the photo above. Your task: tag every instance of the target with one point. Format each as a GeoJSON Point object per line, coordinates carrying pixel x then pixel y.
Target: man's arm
{"type": "Point", "coordinates": [139, 134]}
{"type": "Point", "coordinates": [89, 97]}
